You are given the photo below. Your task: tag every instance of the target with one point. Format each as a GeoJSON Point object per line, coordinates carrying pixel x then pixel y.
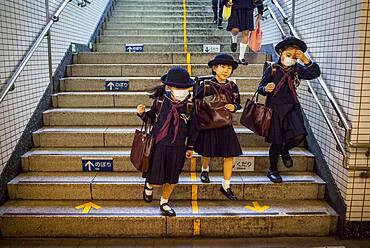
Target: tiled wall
{"type": "Point", "coordinates": [20, 23]}
{"type": "Point", "coordinates": [335, 32]}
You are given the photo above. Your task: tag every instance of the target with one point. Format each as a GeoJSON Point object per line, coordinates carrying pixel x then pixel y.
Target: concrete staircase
{"type": "Point", "coordinates": [87, 121]}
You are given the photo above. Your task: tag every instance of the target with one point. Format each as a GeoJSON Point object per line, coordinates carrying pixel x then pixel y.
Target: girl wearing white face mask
{"type": "Point", "coordinates": [173, 115]}
{"type": "Point", "coordinates": [279, 83]}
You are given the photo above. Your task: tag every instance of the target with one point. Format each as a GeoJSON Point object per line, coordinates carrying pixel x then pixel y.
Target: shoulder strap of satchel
{"type": "Point", "coordinates": [158, 106]}
{"type": "Point", "coordinates": [273, 69]}
{"type": "Point", "coordinates": [189, 107]}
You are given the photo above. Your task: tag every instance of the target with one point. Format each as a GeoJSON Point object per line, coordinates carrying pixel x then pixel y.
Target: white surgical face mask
{"type": "Point", "coordinates": [180, 95]}
{"type": "Point", "coordinates": [288, 61]}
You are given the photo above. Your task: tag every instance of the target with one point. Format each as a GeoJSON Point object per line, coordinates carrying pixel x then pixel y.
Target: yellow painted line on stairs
{"type": "Point", "coordinates": [257, 207]}
{"type": "Point", "coordinates": [188, 57]}
{"type": "Point", "coordinates": [87, 206]}
{"type": "Point", "coordinates": [196, 227]}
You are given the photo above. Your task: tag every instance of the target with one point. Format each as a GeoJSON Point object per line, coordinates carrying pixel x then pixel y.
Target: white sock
{"type": "Point", "coordinates": [234, 38]}
{"type": "Point", "coordinates": [206, 169]}
{"type": "Point", "coordinates": [163, 201]}
{"type": "Point", "coordinates": [148, 191]}
{"type": "Point", "coordinates": [225, 184]}
{"type": "Point", "coordinates": [243, 48]}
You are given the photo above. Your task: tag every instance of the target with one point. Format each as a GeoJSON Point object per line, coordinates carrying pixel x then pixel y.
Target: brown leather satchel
{"type": "Point", "coordinates": [142, 147]}
{"type": "Point", "coordinates": [211, 111]}
{"type": "Point", "coordinates": [256, 116]}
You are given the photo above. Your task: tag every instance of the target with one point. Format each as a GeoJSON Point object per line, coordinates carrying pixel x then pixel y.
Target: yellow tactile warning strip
{"type": "Point", "coordinates": [194, 195]}
{"type": "Point", "coordinates": [188, 57]}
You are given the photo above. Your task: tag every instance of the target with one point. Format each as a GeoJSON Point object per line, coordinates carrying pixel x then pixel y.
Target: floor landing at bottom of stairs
{"type": "Point", "coordinates": [283, 242]}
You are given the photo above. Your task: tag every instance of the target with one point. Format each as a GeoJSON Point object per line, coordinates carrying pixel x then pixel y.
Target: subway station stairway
{"type": "Point", "coordinates": [88, 122]}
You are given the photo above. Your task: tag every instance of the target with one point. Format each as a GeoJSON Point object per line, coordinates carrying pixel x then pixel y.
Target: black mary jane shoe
{"type": "Point", "coordinates": [287, 160]}
{"type": "Point", "coordinates": [165, 212]}
{"type": "Point", "coordinates": [234, 47]}
{"type": "Point", "coordinates": [242, 62]}
{"type": "Point", "coordinates": [147, 198]}
{"type": "Point", "coordinates": [228, 193]}
{"type": "Point", "coordinates": [204, 177]}
{"type": "Point", "coordinates": [219, 26]}
{"type": "Point", "coordinates": [274, 176]}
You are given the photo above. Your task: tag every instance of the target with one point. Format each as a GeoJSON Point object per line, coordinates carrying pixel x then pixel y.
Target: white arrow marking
{"type": "Point", "coordinates": [89, 164]}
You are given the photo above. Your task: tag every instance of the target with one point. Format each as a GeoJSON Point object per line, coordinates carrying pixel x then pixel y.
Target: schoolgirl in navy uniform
{"type": "Point", "coordinates": [172, 132]}
{"type": "Point", "coordinates": [220, 142]}
{"type": "Point", "coordinates": [287, 129]}
{"type": "Point", "coordinates": [241, 20]}
{"type": "Point", "coordinates": [217, 8]}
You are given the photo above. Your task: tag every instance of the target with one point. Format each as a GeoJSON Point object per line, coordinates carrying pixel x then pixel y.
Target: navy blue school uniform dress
{"type": "Point", "coordinates": [219, 142]}
{"type": "Point", "coordinates": [242, 15]}
{"type": "Point", "coordinates": [287, 118]}
{"type": "Point", "coordinates": [171, 132]}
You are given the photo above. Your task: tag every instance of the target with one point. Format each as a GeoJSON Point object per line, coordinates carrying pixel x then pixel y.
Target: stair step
{"type": "Point", "coordinates": [161, 47]}
{"type": "Point", "coordinates": [133, 219]}
{"type": "Point", "coordinates": [167, 13]}
{"type": "Point", "coordinates": [112, 24]}
{"type": "Point", "coordinates": [139, 84]}
{"type": "Point", "coordinates": [173, 2]}
{"type": "Point", "coordinates": [159, 18]}
{"type": "Point", "coordinates": [156, 58]}
{"type": "Point", "coordinates": [129, 186]}
{"type": "Point", "coordinates": [124, 39]}
{"type": "Point", "coordinates": [166, 7]}
{"type": "Point", "coordinates": [167, 31]}
{"type": "Point", "coordinates": [70, 160]}
{"type": "Point", "coordinates": [135, 70]}
{"type": "Point", "coordinates": [112, 99]}
{"type": "Point", "coordinates": [112, 137]}
{"type": "Point", "coordinates": [99, 117]}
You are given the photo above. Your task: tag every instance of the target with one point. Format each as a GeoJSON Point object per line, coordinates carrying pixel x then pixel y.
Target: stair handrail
{"type": "Point", "coordinates": [9, 84]}
{"type": "Point", "coordinates": [343, 120]}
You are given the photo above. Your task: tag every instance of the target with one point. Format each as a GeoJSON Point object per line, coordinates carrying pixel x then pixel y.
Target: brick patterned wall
{"type": "Point", "coordinates": [337, 37]}
{"type": "Point", "coordinates": [20, 23]}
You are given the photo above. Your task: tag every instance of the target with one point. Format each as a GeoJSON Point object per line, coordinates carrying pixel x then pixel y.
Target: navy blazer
{"type": "Point", "coordinates": [187, 131]}
{"type": "Point", "coordinates": [234, 90]}
{"type": "Point", "coordinates": [309, 71]}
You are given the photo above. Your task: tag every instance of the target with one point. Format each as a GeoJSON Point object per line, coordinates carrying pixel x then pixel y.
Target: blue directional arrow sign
{"type": "Point", "coordinates": [95, 164]}
{"type": "Point", "coordinates": [117, 85]}
{"type": "Point", "coordinates": [134, 48]}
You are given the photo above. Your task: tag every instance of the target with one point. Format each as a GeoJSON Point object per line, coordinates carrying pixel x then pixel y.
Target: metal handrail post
{"type": "Point", "coordinates": [30, 52]}
{"type": "Point", "coordinates": [50, 62]}
{"type": "Point", "coordinates": [273, 16]}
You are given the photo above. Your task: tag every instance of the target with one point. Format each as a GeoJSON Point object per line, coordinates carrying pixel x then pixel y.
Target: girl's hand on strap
{"type": "Point", "coordinates": [189, 153]}
{"type": "Point", "coordinates": [140, 109]}
{"type": "Point", "coordinates": [269, 87]}
{"type": "Point", "coordinates": [230, 107]}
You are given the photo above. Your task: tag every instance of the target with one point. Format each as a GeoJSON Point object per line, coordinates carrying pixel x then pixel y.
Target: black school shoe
{"type": "Point", "coordinates": [165, 212]}
{"type": "Point", "coordinates": [274, 176]}
{"type": "Point", "coordinates": [287, 160]}
{"type": "Point", "coordinates": [219, 24]}
{"type": "Point", "coordinates": [204, 177]}
{"type": "Point", "coordinates": [242, 62]}
{"type": "Point", "coordinates": [228, 193]}
{"type": "Point", "coordinates": [214, 20]}
{"type": "Point", "coordinates": [234, 47]}
{"type": "Point", "coordinates": [147, 198]}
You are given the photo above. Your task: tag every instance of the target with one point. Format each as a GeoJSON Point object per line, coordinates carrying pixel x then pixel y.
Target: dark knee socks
{"type": "Point", "coordinates": [277, 149]}
{"type": "Point", "coordinates": [291, 144]}
{"type": "Point", "coordinates": [274, 154]}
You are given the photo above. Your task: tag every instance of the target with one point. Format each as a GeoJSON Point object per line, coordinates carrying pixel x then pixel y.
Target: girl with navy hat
{"type": "Point", "coordinates": [223, 141]}
{"type": "Point", "coordinates": [241, 20]}
{"type": "Point", "coordinates": [279, 83]}
{"type": "Point", "coordinates": [173, 118]}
